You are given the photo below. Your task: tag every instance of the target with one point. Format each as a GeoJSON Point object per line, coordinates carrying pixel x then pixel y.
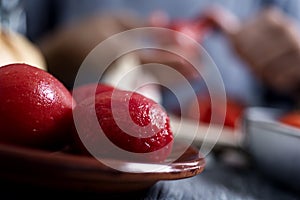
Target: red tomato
{"type": "Point", "coordinates": [84, 91]}
{"type": "Point", "coordinates": [291, 118]}
{"type": "Point", "coordinates": [147, 128]}
{"type": "Point", "coordinates": [35, 108]}
{"type": "Point", "coordinates": [233, 113]}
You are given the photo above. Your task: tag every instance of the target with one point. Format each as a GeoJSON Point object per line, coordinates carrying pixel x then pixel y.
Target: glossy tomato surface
{"type": "Point", "coordinates": [35, 108]}
{"type": "Point", "coordinates": [129, 120]}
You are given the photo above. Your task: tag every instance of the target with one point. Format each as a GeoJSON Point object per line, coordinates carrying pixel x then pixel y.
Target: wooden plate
{"type": "Point", "coordinates": [67, 171]}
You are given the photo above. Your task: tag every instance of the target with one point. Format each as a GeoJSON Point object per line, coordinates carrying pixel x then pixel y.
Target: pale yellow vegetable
{"type": "Point", "coordinates": [15, 47]}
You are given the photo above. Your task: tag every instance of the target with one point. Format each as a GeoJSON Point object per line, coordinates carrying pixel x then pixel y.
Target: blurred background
{"type": "Point", "coordinates": [254, 44]}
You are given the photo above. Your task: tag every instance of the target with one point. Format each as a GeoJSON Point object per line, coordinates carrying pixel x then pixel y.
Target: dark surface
{"type": "Point", "coordinates": [220, 180]}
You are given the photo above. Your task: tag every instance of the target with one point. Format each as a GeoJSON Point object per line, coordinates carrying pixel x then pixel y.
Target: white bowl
{"type": "Point", "coordinates": [274, 146]}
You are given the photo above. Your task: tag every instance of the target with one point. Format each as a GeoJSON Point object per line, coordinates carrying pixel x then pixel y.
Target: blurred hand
{"type": "Point", "coordinates": [66, 48]}
{"type": "Point", "coordinates": [270, 43]}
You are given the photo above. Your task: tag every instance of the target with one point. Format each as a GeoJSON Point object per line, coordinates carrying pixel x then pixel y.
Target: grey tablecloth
{"type": "Point", "coordinates": [223, 181]}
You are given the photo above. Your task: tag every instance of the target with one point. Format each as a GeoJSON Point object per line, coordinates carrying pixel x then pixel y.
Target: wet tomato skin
{"type": "Point", "coordinates": [147, 127]}
{"type": "Point", "coordinates": [35, 108]}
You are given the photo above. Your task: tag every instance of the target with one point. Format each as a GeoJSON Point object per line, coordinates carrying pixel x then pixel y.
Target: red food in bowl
{"type": "Point", "coordinates": [233, 111]}
{"type": "Point", "coordinates": [291, 118]}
